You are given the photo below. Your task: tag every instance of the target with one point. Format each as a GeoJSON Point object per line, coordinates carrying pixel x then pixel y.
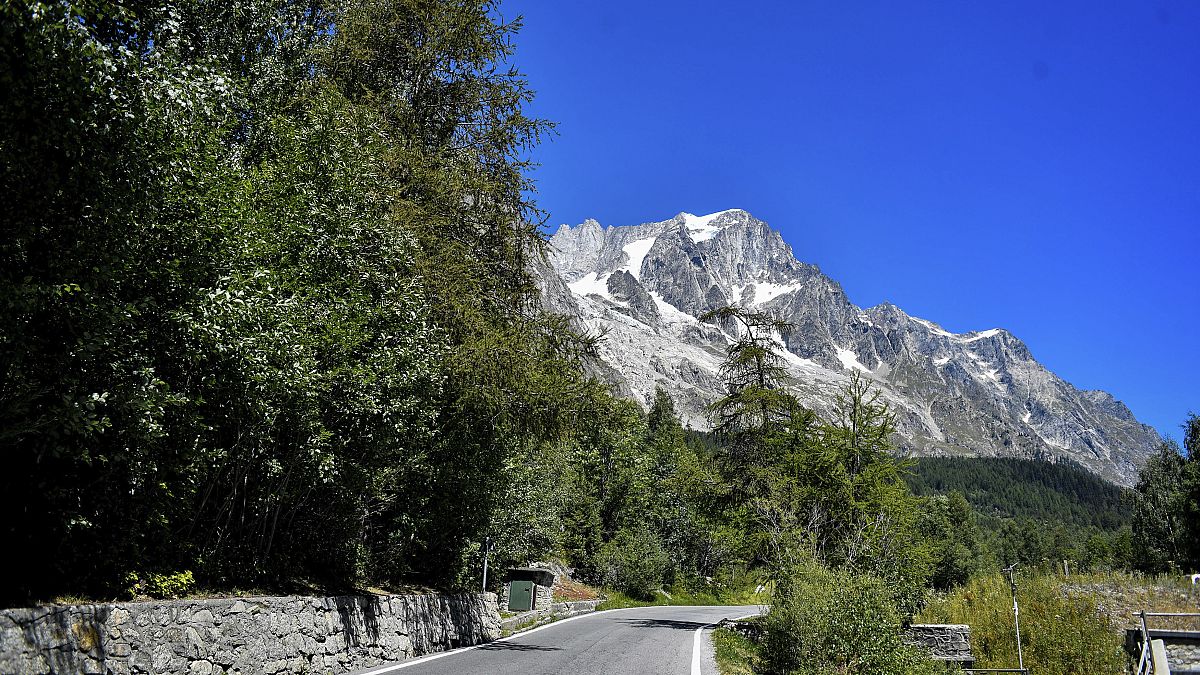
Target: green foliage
{"type": "Point", "coordinates": [958, 553]}
{"type": "Point", "coordinates": [633, 562]}
{"type": "Point", "coordinates": [1191, 490]}
{"type": "Point", "coordinates": [170, 585]}
{"type": "Point", "coordinates": [1061, 633]}
{"type": "Point", "coordinates": [1015, 488]}
{"type": "Point", "coordinates": [735, 654]}
{"type": "Point", "coordinates": [265, 302]}
{"type": "Point", "coordinates": [826, 621]}
{"type": "Point", "coordinates": [828, 515]}
{"type": "Point", "coordinates": [758, 403]}
{"type": "Point", "coordinates": [835, 493]}
{"type": "Point", "coordinates": [1033, 512]}
{"type": "Point", "coordinates": [632, 474]}
{"type": "Point", "coordinates": [1164, 506]}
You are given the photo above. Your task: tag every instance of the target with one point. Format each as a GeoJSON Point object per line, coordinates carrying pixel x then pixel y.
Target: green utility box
{"type": "Point", "coordinates": [520, 596]}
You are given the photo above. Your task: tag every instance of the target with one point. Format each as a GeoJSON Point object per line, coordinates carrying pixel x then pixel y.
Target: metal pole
{"type": "Point", "coordinates": [487, 548]}
{"type": "Point", "coordinates": [1012, 582]}
{"type": "Point", "coordinates": [1145, 661]}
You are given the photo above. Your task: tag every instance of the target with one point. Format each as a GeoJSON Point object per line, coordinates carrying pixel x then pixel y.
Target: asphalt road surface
{"type": "Point", "coordinates": [618, 642]}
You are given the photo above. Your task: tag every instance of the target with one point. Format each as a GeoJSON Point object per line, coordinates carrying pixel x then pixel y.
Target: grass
{"type": "Point", "coordinates": [681, 596]}
{"type": "Point", "coordinates": [1064, 630]}
{"type": "Point", "coordinates": [569, 590]}
{"type": "Point", "coordinates": [736, 654]}
{"type": "Point", "coordinates": [1120, 594]}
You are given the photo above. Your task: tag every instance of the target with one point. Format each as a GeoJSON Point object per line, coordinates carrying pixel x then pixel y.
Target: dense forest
{"type": "Point", "coordinates": [269, 320]}
{"type": "Point", "coordinates": [1025, 488]}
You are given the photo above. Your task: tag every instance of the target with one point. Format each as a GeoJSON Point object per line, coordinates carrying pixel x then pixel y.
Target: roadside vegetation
{"type": "Point", "coordinates": [1061, 632]}
{"type": "Point", "coordinates": [735, 653]}
{"type": "Point", "coordinates": [683, 596]}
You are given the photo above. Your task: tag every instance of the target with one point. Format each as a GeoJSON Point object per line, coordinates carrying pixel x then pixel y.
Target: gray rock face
{"type": "Point", "coordinates": [979, 394]}
{"type": "Point", "coordinates": [625, 288]}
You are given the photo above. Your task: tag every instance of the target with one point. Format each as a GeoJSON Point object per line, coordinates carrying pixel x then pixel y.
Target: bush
{"type": "Point", "coordinates": [1061, 634]}
{"type": "Point", "coordinates": [161, 586]}
{"type": "Point", "coordinates": [633, 562]}
{"type": "Point", "coordinates": [825, 621]}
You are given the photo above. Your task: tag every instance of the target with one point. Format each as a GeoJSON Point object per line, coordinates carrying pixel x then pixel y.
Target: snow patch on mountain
{"type": "Point", "coordinates": [980, 335]}
{"type": "Point", "coordinates": [765, 291]}
{"type": "Point", "coordinates": [635, 252]}
{"type": "Point", "coordinates": [670, 313]}
{"type": "Point", "coordinates": [592, 284]}
{"type": "Point", "coordinates": [701, 228]}
{"type": "Point", "coordinates": [850, 360]}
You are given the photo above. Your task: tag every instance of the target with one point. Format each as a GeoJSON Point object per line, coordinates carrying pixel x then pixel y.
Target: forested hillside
{"type": "Point", "coordinates": [1024, 488]}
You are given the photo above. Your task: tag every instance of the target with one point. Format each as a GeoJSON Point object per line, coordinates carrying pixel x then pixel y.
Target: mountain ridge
{"type": "Point", "coordinates": [979, 393]}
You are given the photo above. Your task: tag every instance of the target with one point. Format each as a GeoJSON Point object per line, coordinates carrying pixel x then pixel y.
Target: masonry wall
{"type": "Point", "coordinates": [944, 642]}
{"type": "Point", "coordinates": [242, 635]}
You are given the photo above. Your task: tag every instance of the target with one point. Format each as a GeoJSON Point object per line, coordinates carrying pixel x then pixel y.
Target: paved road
{"type": "Point", "coordinates": [619, 642]}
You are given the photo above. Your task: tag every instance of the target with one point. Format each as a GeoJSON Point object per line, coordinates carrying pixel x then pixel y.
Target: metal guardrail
{"type": "Point", "coordinates": [1146, 659]}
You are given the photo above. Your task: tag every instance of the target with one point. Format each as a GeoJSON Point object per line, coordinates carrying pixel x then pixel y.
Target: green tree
{"type": "Point", "coordinates": [265, 301]}
{"type": "Point", "coordinates": [1191, 492]}
{"type": "Point", "coordinates": [829, 621]}
{"type": "Point", "coordinates": [948, 523]}
{"type": "Point", "coordinates": [1159, 503]}
{"type": "Point", "coordinates": [757, 401]}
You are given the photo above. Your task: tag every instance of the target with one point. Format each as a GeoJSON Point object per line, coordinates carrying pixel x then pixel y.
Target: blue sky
{"type": "Point", "coordinates": [1027, 165]}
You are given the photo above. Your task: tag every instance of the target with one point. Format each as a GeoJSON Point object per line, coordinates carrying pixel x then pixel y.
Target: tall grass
{"type": "Point", "coordinates": [1062, 634]}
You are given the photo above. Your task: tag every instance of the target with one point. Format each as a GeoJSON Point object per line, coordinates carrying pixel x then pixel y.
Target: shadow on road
{"type": "Point", "coordinates": [514, 647]}
{"type": "Point", "coordinates": [663, 623]}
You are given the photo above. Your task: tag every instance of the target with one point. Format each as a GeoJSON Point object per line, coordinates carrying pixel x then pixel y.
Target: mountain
{"type": "Point", "coordinates": [973, 394]}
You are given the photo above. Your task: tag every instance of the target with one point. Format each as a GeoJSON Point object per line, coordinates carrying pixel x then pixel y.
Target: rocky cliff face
{"type": "Point", "coordinates": [980, 393]}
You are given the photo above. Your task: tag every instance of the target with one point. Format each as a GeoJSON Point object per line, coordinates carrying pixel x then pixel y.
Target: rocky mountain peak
{"type": "Point", "coordinates": [974, 393]}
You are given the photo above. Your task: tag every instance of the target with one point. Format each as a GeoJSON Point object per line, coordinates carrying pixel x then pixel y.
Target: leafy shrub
{"type": "Point", "coordinates": [162, 586]}
{"type": "Point", "coordinates": [1061, 634]}
{"type": "Point", "coordinates": [633, 562]}
{"type": "Point", "coordinates": [825, 621]}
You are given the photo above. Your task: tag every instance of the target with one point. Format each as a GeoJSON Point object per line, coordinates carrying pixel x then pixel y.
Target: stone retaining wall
{"type": "Point", "coordinates": [943, 641]}
{"type": "Point", "coordinates": [241, 635]}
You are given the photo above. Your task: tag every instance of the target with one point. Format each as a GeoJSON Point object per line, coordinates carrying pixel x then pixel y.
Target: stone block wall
{"type": "Point", "coordinates": [241, 636]}
{"type": "Point", "coordinates": [543, 597]}
{"type": "Point", "coordinates": [943, 641]}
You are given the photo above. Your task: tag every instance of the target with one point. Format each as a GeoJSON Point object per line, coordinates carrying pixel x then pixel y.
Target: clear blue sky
{"type": "Point", "coordinates": [1027, 165]}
